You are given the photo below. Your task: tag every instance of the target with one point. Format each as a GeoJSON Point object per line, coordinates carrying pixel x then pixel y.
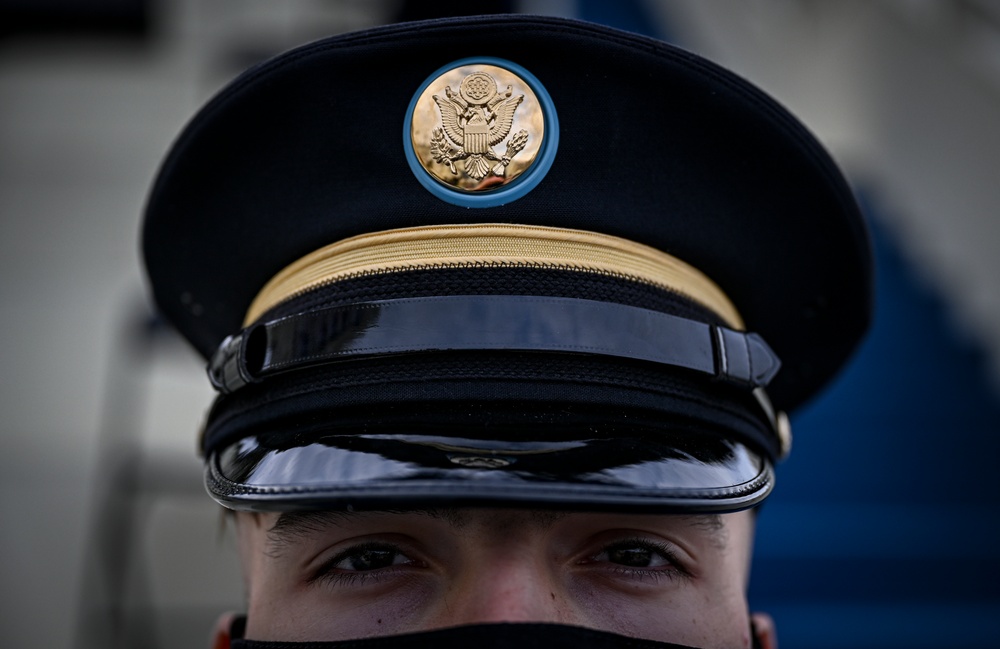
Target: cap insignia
{"type": "Point", "coordinates": [480, 132]}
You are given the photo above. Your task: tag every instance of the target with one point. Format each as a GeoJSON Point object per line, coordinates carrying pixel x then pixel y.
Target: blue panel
{"type": "Point", "coordinates": [884, 529]}
{"type": "Point", "coordinates": [888, 626]}
{"type": "Point", "coordinates": [630, 15]}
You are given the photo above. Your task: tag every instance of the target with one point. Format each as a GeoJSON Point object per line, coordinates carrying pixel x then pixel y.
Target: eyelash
{"type": "Point", "coordinates": [328, 572]}
{"type": "Point", "coordinates": [673, 570]}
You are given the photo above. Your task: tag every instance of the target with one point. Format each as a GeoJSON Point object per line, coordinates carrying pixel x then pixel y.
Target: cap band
{"type": "Point", "coordinates": [491, 322]}
{"type": "Point", "coordinates": [493, 245]}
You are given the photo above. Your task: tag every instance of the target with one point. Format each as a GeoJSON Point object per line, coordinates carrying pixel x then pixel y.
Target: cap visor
{"type": "Point", "coordinates": [637, 470]}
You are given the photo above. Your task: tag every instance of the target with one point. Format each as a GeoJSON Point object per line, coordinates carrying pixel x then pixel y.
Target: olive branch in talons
{"type": "Point", "coordinates": [443, 152]}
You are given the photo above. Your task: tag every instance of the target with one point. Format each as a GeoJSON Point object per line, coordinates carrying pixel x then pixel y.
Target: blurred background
{"type": "Point", "coordinates": [884, 529]}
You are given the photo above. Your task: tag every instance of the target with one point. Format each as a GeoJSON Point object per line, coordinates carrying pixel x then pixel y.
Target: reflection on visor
{"type": "Point", "coordinates": [269, 472]}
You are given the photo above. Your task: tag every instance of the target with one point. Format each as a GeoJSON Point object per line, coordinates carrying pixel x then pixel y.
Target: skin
{"type": "Point", "coordinates": [337, 576]}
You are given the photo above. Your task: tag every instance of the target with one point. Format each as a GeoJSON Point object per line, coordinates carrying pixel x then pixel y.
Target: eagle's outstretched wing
{"type": "Point", "coordinates": [504, 113]}
{"type": "Point", "coordinates": [450, 110]}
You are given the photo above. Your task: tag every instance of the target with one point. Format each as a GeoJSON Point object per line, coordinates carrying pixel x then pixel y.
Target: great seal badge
{"type": "Point", "coordinates": [480, 132]}
{"type": "Point", "coordinates": [475, 121]}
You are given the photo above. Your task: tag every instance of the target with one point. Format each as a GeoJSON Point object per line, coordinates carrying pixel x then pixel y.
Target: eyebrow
{"type": "Point", "coordinates": [711, 523]}
{"type": "Point", "coordinates": [293, 526]}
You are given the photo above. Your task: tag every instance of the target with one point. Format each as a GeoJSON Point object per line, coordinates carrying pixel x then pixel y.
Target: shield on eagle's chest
{"type": "Point", "coordinates": [477, 135]}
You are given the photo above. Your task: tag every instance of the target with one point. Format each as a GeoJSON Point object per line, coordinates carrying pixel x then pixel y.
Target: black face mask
{"type": "Point", "coordinates": [480, 636]}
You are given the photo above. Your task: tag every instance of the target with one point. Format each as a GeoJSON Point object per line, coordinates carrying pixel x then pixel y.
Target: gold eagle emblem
{"type": "Point", "coordinates": [473, 121]}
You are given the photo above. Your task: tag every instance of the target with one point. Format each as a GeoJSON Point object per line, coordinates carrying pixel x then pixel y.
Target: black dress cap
{"type": "Point", "coordinates": [503, 259]}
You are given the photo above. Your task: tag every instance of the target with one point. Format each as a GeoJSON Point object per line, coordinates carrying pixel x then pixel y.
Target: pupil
{"type": "Point", "coordinates": [633, 557]}
{"type": "Point", "coordinates": [372, 559]}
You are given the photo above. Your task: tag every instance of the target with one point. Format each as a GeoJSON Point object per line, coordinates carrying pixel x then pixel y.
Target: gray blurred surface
{"type": "Point", "coordinates": [906, 94]}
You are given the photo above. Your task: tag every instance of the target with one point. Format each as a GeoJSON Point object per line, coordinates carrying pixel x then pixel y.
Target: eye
{"type": "Point", "coordinates": [634, 555]}
{"type": "Point", "coordinates": [638, 558]}
{"type": "Point", "coordinates": [366, 562]}
{"type": "Point", "coordinates": [369, 556]}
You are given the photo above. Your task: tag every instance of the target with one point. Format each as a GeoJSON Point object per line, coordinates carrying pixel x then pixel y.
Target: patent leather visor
{"type": "Point", "coordinates": [635, 469]}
